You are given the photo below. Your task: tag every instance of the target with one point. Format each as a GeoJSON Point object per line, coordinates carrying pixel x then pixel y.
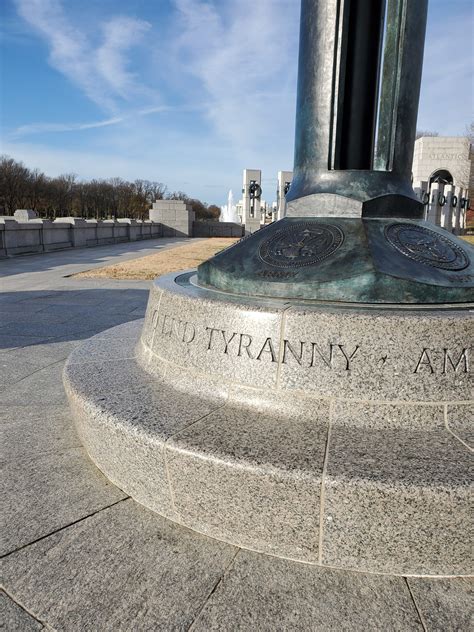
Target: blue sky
{"type": "Point", "coordinates": [185, 92]}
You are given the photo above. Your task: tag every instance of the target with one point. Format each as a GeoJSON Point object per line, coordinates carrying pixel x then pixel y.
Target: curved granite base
{"type": "Point", "coordinates": [328, 435]}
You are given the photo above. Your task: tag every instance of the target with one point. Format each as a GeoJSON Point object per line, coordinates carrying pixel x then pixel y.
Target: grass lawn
{"type": "Point", "coordinates": [183, 257]}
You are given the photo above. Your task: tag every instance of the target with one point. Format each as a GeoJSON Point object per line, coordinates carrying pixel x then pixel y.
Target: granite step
{"type": "Point", "coordinates": [369, 486]}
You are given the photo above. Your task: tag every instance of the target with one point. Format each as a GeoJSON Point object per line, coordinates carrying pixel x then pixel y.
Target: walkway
{"type": "Point", "coordinates": [78, 554]}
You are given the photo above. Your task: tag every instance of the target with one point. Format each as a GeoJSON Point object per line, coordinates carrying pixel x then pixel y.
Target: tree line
{"type": "Point", "coordinates": [66, 196]}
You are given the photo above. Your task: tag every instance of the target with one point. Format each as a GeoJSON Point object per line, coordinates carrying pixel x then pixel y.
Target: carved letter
{"type": "Point", "coordinates": [297, 357]}
{"type": "Point", "coordinates": [464, 357]}
{"type": "Point", "coordinates": [211, 330]}
{"type": "Point", "coordinates": [245, 346]}
{"type": "Point", "coordinates": [268, 343]}
{"type": "Point", "coordinates": [154, 319]}
{"type": "Point", "coordinates": [189, 333]}
{"type": "Point", "coordinates": [348, 358]}
{"type": "Point", "coordinates": [227, 342]}
{"type": "Point", "coordinates": [176, 329]}
{"type": "Point", "coordinates": [163, 326]}
{"type": "Point", "coordinates": [326, 361]}
{"type": "Point", "coordinates": [424, 361]}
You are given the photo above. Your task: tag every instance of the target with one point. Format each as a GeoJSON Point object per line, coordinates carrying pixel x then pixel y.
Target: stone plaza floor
{"type": "Point", "coordinates": [78, 554]}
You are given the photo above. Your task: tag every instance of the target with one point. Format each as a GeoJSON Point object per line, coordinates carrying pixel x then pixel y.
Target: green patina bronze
{"type": "Point", "coordinates": [328, 259]}
{"type": "Point", "coordinates": [354, 230]}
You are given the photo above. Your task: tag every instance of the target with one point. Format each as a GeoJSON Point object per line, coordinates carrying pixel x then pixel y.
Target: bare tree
{"type": "Point", "coordinates": [214, 210]}
{"type": "Point", "coordinates": [178, 195]}
{"type": "Point", "coordinates": [62, 193]}
{"type": "Point", "coordinates": [21, 187]}
{"type": "Point", "coordinates": [425, 132]}
{"type": "Point", "coordinates": [13, 176]}
{"type": "Point", "coordinates": [35, 190]}
{"type": "Point", "coordinates": [157, 190]}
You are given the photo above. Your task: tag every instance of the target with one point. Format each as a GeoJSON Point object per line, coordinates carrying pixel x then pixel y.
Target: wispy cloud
{"type": "Point", "coordinates": [101, 72]}
{"type": "Point", "coordinates": [41, 128]}
{"type": "Point", "coordinates": [226, 69]}
{"type": "Point", "coordinates": [120, 34]}
{"type": "Point", "coordinates": [244, 58]}
{"type": "Point", "coordinates": [241, 58]}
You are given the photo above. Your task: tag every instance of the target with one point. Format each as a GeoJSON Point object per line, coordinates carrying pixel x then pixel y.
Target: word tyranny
{"type": "Point", "coordinates": [303, 353]}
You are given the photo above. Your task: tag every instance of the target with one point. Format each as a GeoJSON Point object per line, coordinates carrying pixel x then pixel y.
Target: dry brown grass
{"type": "Point", "coordinates": [190, 255]}
{"type": "Point", "coordinates": [183, 257]}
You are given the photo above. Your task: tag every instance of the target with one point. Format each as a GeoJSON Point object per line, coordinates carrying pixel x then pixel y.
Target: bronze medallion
{"type": "Point", "coordinates": [426, 246]}
{"type": "Point", "coordinates": [301, 244]}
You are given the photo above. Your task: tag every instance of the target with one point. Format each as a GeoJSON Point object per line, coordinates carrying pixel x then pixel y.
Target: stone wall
{"type": "Point", "coordinates": [217, 229]}
{"type": "Point", "coordinates": [36, 235]}
{"type": "Point", "coordinates": [25, 233]}
{"type": "Point", "coordinates": [176, 217]}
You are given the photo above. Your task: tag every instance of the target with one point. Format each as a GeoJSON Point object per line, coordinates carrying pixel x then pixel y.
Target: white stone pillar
{"type": "Point", "coordinates": [460, 223]}
{"type": "Point", "coordinates": [447, 209]}
{"type": "Point", "coordinates": [252, 183]}
{"type": "Point", "coordinates": [433, 206]}
{"type": "Point", "coordinates": [455, 199]}
{"type": "Point", "coordinates": [284, 181]}
{"type": "Point", "coordinates": [424, 197]}
{"type": "Point", "coordinates": [274, 212]}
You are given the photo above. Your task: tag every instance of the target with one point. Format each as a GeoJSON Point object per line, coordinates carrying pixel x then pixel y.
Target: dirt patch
{"type": "Point", "coordinates": [469, 238]}
{"type": "Point", "coordinates": [183, 257]}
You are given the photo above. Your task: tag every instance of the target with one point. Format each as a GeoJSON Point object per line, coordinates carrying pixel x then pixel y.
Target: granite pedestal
{"type": "Point", "coordinates": [334, 434]}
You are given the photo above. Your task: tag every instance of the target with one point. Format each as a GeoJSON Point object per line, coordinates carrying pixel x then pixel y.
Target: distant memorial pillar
{"type": "Point", "coordinates": [460, 193]}
{"type": "Point", "coordinates": [425, 197]}
{"type": "Point", "coordinates": [433, 207]}
{"type": "Point", "coordinates": [458, 219]}
{"type": "Point", "coordinates": [447, 210]}
{"type": "Point", "coordinates": [252, 196]}
{"type": "Point", "coordinates": [284, 182]}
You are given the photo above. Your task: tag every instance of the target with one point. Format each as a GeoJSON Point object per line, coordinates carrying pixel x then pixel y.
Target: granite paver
{"type": "Point", "coordinates": [48, 491]}
{"type": "Point", "coordinates": [26, 431]}
{"type": "Point", "coordinates": [445, 605]}
{"type": "Point", "coordinates": [13, 618]}
{"type": "Point", "coordinates": [266, 594]}
{"type": "Point", "coordinates": [130, 569]}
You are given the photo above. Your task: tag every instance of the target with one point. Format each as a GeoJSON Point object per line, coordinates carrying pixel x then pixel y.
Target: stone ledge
{"type": "Point", "coordinates": [361, 352]}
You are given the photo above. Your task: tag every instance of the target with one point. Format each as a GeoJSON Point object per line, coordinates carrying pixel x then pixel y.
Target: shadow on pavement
{"type": "Point", "coordinates": [38, 317]}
